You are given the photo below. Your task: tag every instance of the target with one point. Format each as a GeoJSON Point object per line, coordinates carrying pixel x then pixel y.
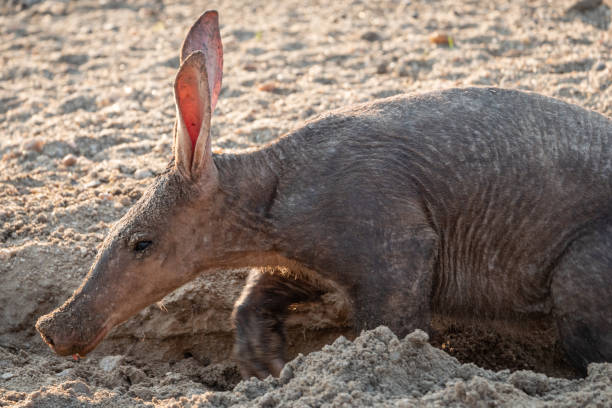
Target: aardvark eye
{"type": "Point", "coordinates": [142, 245]}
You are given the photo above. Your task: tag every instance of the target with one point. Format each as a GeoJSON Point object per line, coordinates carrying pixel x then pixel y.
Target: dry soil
{"type": "Point", "coordinates": [86, 117]}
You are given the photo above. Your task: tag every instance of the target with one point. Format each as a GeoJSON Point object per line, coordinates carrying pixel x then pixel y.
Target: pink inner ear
{"type": "Point", "coordinates": [205, 36]}
{"type": "Point", "coordinates": [191, 110]}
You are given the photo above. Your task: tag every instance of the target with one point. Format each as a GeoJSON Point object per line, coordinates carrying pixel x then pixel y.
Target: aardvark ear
{"type": "Point", "coordinates": [196, 90]}
{"type": "Point", "coordinates": [192, 150]}
{"type": "Point", "coordinates": [204, 36]}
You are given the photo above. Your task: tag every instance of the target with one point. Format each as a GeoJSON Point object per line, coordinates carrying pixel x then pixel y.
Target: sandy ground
{"type": "Point", "coordinates": [86, 115]}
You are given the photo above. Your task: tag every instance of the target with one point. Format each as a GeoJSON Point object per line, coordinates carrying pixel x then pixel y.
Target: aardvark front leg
{"type": "Point", "coordinates": [259, 316]}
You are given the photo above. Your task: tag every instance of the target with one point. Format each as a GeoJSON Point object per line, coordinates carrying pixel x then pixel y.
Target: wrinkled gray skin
{"type": "Point", "coordinates": [487, 203]}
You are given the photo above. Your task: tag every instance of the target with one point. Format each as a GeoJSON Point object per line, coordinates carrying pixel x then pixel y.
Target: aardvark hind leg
{"type": "Point", "coordinates": [582, 298]}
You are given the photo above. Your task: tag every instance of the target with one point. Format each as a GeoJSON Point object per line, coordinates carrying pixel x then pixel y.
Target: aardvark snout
{"type": "Point", "coordinates": [51, 332]}
{"type": "Point", "coordinates": [68, 334]}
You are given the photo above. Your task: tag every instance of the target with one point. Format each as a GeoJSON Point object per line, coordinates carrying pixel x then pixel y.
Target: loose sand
{"type": "Point", "coordinates": [86, 116]}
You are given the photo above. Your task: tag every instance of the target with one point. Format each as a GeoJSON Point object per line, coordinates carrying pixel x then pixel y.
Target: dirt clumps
{"type": "Point", "coordinates": [377, 369]}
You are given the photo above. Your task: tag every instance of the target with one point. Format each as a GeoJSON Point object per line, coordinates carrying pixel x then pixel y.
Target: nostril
{"type": "Point", "coordinates": [47, 339]}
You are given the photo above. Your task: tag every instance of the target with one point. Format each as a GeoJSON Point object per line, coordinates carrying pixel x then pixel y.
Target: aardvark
{"type": "Point", "coordinates": [489, 203]}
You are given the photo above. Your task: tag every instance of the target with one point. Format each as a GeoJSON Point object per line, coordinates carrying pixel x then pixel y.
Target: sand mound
{"type": "Point", "coordinates": [377, 369]}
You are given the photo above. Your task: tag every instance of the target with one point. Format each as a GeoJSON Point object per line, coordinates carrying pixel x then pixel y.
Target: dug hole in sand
{"type": "Point", "coordinates": [86, 116]}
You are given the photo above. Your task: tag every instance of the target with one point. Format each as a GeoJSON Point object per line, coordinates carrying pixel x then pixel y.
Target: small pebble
{"type": "Point", "coordinates": [109, 363]}
{"type": "Point", "coordinates": [69, 160]}
{"type": "Point", "coordinates": [382, 68]}
{"type": "Point", "coordinates": [145, 12]}
{"type": "Point", "coordinates": [34, 145]}
{"type": "Point", "coordinates": [268, 87]}
{"type": "Point", "coordinates": [440, 39]}
{"type": "Point", "coordinates": [286, 374]}
{"type": "Point", "coordinates": [126, 169]}
{"type": "Point", "coordinates": [5, 255]}
{"type": "Point", "coordinates": [6, 376]}
{"type": "Point", "coordinates": [93, 183]}
{"type": "Point", "coordinates": [371, 36]}
{"type": "Point", "coordinates": [77, 387]}
{"type": "Point", "coordinates": [418, 337]}
{"type": "Point", "coordinates": [65, 372]}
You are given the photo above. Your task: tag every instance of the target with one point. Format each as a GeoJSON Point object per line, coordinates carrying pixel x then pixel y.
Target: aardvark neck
{"type": "Point", "coordinates": [248, 185]}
